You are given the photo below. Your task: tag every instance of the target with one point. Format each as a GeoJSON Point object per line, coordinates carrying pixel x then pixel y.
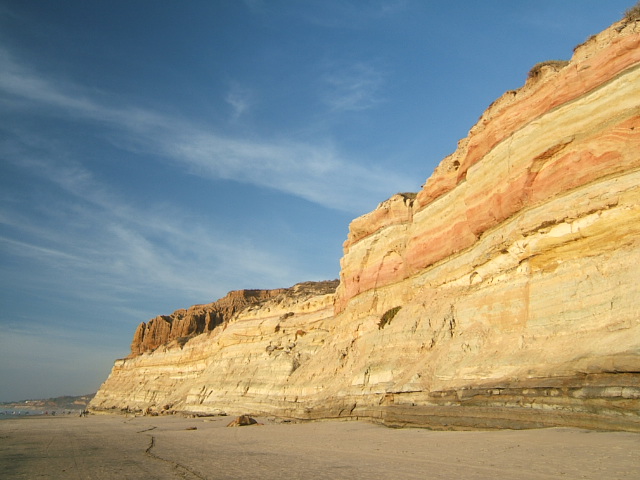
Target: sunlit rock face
{"type": "Point", "coordinates": [256, 349]}
{"type": "Point", "coordinates": [566, 128]}
{"type": "Point", "coordinates": [504, 294]}
{"type": "Point", "coordinates": [183, 324]}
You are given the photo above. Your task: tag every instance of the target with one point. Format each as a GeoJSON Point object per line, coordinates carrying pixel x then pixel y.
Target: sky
{"type": "Point", "coordinates": [158, 154]}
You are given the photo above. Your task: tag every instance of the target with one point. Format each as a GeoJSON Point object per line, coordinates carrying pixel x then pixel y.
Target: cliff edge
{"type": "Point", "coordinates": [503, 294]}
{"type": "Point", "coordinates": [184, 324]}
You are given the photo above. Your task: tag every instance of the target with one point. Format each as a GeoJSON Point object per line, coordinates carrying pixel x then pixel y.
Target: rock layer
{"type": "Point", "coordinates": [503, 294]}
{"type": "Point", "coordinates": [182, 324]}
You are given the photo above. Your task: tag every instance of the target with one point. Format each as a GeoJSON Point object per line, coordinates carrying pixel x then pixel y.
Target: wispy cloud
{"type": "Point", "coordinates": [316, 172]}
{"type": "Point", "coordinates": [79, 240]}
{"type": "Point", "coordinates": [109, 245]}
{"type": "Point", "coordinates": [353, 87]}
{"type": "Point", "coordinates": [255, 6]}
{"type": "Point", "coordinates": [18, 248]}
{"type": "Point", "coordinates": [240, 101]}
{"type": "Point", "coordinates": [349, 14]}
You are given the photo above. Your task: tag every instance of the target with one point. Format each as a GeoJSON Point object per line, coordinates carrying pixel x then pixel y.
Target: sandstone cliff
{"type": "Point", "coordinates": [504, 293]}
{"type": "Point", "coordinates": [183, 324]}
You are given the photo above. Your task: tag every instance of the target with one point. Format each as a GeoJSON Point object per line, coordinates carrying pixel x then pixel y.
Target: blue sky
{"type": "Point", "coordinates": [157, 154]}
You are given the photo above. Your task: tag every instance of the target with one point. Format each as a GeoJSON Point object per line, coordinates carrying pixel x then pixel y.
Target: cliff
{"type": "Point", "coordinates": [179, 327]}
{"type": "Point", "coordinates": [183, 324]}
{"type": "Point", "coordinates": [503, 294]}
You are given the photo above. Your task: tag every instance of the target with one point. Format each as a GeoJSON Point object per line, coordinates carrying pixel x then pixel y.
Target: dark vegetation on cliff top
{"type": "Point", "coordinates": [555, 64]}
{"type": "Point", "coordinates": [632, 14]}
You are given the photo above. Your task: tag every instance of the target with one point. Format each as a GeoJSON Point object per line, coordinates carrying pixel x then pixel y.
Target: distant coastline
{"type": "Point", "coordinates": [13, 414]}
{"type": "Point", "coordinates": [57, 406]}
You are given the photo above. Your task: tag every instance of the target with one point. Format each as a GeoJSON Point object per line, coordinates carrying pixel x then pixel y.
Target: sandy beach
{"type": "Point", "coordinates": [107, 447]}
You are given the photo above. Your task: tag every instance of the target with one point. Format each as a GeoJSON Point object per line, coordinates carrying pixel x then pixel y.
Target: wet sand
{"type": "Point", "coordinates": [108, 447]}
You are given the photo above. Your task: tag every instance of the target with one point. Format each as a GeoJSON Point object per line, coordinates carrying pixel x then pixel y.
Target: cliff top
{"type": "Point", "coordinates": [197, 319]}
{"type": "Point", "coordinates": [511, 111]}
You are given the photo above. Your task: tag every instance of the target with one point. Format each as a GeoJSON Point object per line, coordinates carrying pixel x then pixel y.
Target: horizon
{"type": "Point", "coordinates": [157, 156]}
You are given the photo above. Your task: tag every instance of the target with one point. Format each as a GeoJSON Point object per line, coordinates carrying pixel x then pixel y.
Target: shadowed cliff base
{"type": "Point", "coordinates": [603, 402]}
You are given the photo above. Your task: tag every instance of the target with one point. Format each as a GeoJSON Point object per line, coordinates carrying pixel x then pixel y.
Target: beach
{"type": "Point", "coordinates": [174, 447]}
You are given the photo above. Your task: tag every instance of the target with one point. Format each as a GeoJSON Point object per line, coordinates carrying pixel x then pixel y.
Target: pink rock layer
{"type": "Point", "coordinates": [474, 200]}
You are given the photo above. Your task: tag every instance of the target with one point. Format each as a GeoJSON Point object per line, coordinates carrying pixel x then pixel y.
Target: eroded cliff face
{"type": "Point", "coordinates": [504, 294]}
{"type": "Point", "coordinates": [257, 348]}
{"type": "Point", "coordinates": [183, 324]}
{"type": "Point", "coordinates": [566, 128]}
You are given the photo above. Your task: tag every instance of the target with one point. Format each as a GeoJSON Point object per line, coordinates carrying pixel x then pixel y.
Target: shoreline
{"type": "Point", "coordinates": [167, 447]}
{"type": "Point", "coordinates": [29, 413]}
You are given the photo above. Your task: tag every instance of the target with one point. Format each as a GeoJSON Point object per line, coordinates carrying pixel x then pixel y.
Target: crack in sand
{"type": "Point", "coordinates": [182, 470]}
{"type": "Point", "coordinates": [146, 430]}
